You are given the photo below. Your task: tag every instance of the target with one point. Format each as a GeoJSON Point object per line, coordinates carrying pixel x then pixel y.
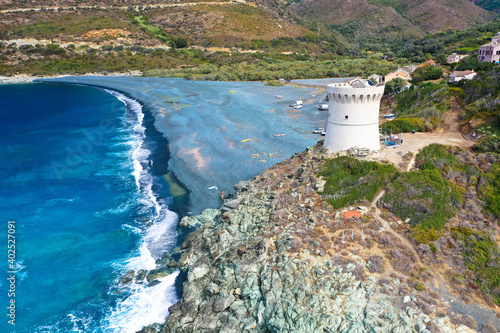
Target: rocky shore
{"type": "Point", "coordinates": [276, 258]}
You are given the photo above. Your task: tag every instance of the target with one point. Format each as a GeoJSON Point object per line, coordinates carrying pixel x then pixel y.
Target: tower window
{"type": "Point", "coordinates": [346, 117]}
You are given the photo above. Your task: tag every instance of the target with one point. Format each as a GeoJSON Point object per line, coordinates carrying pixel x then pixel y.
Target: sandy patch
{"type": "Point", "coordinates": [196, 155]}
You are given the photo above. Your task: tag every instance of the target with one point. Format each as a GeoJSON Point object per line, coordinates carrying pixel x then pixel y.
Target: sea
{"type": "Point", "coordinates": [81, 206]}
{"type": "Point", "coordinates": [96, 173]}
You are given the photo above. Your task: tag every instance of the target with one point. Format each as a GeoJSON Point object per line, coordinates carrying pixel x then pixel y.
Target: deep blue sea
{"type": "Point", "coordinates": [88, 183]}
{"type": "Point", "coordinates": [78, 183]}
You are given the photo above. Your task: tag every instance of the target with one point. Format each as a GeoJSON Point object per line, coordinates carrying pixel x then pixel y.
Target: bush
{"type": "Point", "coordinates": [349, 180]}
{"type": "Point", "coordinates": [394, 86]}
{"type": "Point", "coordinates": [482, 256]}
{"type": "Point", "coordinates": [403, 125]}
{"type": "Point", "coordinates": [423, 196]}
{"type": "Point", "coordinates": [180, 43]}
{"type": "Point", "coordinates": [491, 191]}
{"type": "Point", "coordinates": [433, 247]}
{"type": "Point", "coordinates": [425, 73]}
{"type": "Point", "coordinates": [274, 83]}
{"type": "Point", "coordinates": [425, 236]}
{"type": "Point", "coordinates": [435, 155]}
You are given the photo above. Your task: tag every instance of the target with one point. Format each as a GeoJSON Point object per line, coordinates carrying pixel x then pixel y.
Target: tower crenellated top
{"type": "Point", "coordinates": [356, 91]}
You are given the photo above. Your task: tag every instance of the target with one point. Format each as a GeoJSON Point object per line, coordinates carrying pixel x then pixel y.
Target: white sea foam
{"type": "Point", "coordinates": [143, 260]}
{"type": "Point", "coordinates": [79, 324]}
{"type": "Point", "coordinates": [145, 305]}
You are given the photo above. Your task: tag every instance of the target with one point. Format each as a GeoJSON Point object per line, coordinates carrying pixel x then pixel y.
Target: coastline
{"type": "Point", "coordinates": [23, 78]}
{"type": "Point", "coordinates": [205, 125]}
{"type": "Point", "coordinates": [237, 226]}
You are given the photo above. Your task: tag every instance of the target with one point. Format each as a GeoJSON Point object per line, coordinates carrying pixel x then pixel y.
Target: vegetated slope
{"type": "Point", "coordinates": [362, 18]}
{"type": "Point", "coordinates": [217, 24]}
{"type": "Point", "coordinates": [492, 5]}
{"type": "Point", "coordinates": [482, 112]}
{"type": "Point", "coordinates": [224, 25]}
{"type": "Point", "coordinates": [279, 258]}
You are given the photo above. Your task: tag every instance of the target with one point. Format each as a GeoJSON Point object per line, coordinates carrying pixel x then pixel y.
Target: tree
{"type": "Point", "coordinates": [394, 86]}
{"type": "Point", "coordinates": [180, 43]}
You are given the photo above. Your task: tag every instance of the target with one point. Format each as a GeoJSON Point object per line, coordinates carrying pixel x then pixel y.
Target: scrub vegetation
{"type": "Point", "coordinates": [349, 180]}
{"type": "Point", "coordinates": [420, 108]}
{"type": "Point", "coordinates": [482, 256]}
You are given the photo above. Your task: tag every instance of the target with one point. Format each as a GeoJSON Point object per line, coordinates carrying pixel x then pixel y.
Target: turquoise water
{"type": "Point", "coordinates": [87, 177]}
{"type": "Point", "coordinates": [77, 181]}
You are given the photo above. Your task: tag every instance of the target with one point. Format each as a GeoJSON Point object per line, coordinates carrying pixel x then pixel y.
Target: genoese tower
{"type": "Point", "coordinates": [353, 113]}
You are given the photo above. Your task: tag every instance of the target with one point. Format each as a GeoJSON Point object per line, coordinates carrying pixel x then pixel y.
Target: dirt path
{"type": "Point", "coordinates": [448, 134]}
{"type": "Point", "coordinates": [451, 120]}
{"type": "Point", "coordinates": [388, 228]}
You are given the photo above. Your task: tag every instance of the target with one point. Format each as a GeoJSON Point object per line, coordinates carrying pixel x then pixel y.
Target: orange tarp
{"type": "Point", "coordinates": [352, 213]}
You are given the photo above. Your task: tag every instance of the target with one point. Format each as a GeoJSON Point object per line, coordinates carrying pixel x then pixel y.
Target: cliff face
{"type": "Point", "coordinates": [276, 258]}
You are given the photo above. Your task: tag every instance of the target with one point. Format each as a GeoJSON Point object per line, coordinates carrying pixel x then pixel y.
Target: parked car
{"type": "Point", "coordinates": [318, 130]}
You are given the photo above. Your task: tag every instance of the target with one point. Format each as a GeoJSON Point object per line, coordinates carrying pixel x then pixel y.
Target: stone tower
{"type": "Point", "coordinates": [353, 113]}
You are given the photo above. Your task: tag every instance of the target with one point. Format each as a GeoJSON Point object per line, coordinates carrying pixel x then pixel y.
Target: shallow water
{"type": "Point", "coordinates": [206, 122]}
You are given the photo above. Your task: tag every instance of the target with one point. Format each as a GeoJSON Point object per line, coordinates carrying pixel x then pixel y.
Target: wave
{"type": "Point", "coordinates": [144, 305]}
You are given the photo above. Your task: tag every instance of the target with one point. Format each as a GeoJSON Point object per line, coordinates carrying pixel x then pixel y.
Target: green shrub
{"type": "Point", "coordinates": [403, 125]}
{"type": "Point", "coordinates": [482, 256]}
{"type": "Point", "coordinates": [491, 191]}
{"type": "Point", "coordinates": [425, 235]}
{"type": "Point", "coordinates": [461, 232]}
{"type": "Point", "coordinates": [435, 155]}
{"type": "Point", "coordinates": [349, 180]}
{"type": "Point", "coordinates": [423, 196]}
{"type": "Point", "coordinates": [274, 83]}
{"type": "Point", "coordinates": [425, 73]}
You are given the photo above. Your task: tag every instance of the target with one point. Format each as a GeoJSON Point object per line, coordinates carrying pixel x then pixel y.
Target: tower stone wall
{"type": "Point", "coordinates": [353, 115]}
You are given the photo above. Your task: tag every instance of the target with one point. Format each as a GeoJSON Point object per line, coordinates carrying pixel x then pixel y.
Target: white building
{"type": "Point", "coordinates": [462, 75]}
{"type": "Point", "coordinates": [455, 57]}
{"type": "Point", "coordinates": [353, 115]}
{"type": "Point", "coordinates": [490, 52]}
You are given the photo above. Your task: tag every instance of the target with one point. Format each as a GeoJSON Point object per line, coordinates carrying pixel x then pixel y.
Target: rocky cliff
{"type": "Point", "coordinates": [276, 258]}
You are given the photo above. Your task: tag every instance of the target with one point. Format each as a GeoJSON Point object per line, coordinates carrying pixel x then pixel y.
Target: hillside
{"type": "Point", "coordinates": [393, 19]}
{"type": "Point", "coordinates": [220, 24]}
{"type": "Point", "coordinates": [492, 5]}
{"type": "Point", "coordinates": [281, 258]}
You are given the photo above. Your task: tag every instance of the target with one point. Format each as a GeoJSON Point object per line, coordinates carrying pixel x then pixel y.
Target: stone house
{"type": "Point", "coordinates": [376, 78]}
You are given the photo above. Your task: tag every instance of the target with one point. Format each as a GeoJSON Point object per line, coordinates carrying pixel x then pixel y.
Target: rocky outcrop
{"type": "Point", "coordinates": [260, 264]}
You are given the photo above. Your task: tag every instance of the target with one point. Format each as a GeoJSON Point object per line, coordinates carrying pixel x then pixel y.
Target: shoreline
{"type": "Point", "coordinates": [24, 78]}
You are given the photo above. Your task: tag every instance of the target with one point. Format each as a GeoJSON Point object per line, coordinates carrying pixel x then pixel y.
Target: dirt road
{"type": "Point", "coordinates": [448, 134]}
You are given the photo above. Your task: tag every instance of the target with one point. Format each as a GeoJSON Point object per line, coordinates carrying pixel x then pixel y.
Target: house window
{"type": "Point", "coordinates": [346, 117]}
{"type": "Point", "coordinates": [498, 52]}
